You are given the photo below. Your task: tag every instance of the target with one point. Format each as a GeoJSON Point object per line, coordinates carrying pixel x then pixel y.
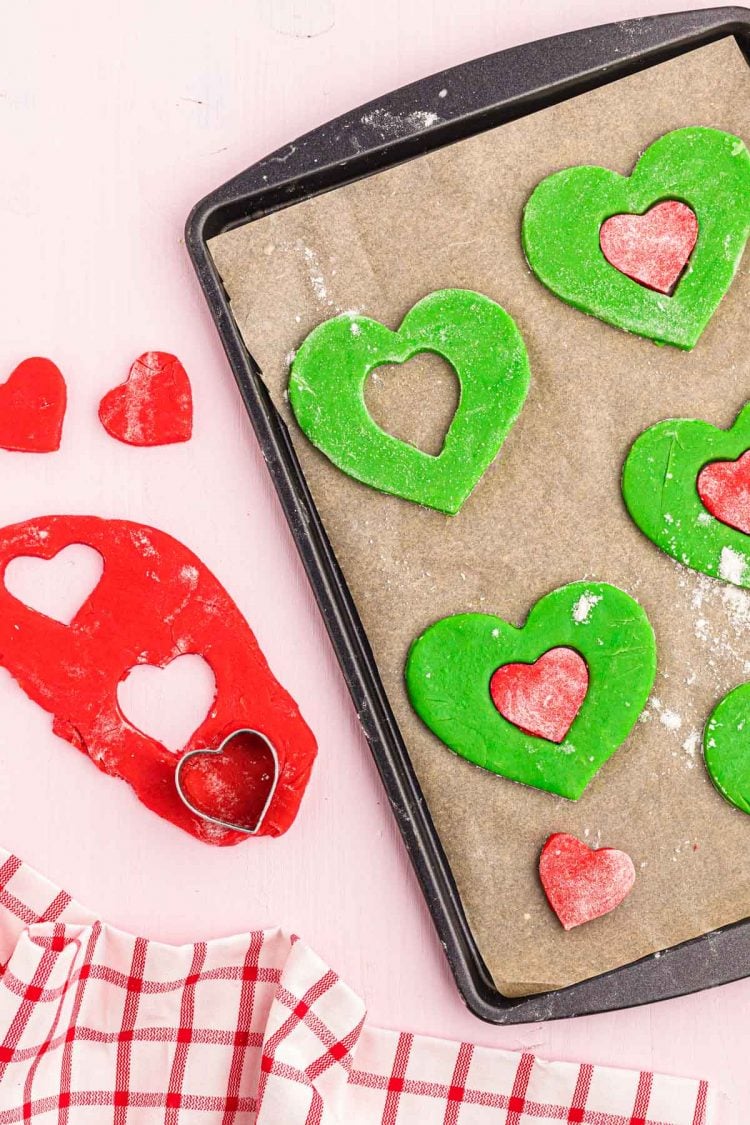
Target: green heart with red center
{"type": "Point", "coordinates": [473, 334]}
{"type": "Point", "coordinates": [450, 668]}
{"type": "Point", "coordinates": [672, 472]}
{"type": "Point", "coordinates": [704, 168]}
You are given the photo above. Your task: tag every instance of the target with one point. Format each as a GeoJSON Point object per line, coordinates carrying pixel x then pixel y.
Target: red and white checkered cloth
{"type": "Point", "coordinates": [98, 1026]}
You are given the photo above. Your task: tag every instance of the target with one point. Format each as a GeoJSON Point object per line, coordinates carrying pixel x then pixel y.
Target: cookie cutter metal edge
{"type": "Point", "coordinates": [202, 750]}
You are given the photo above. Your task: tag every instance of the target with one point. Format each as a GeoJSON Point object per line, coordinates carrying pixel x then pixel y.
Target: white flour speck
{"type": "Point", "coordinates": [691, 743]}
{"type": "Point", "coordinates": [731, 566]}
{"type": "Point", "coordinates": [737, 603]}
{"type": "Point", "coordinates": [316, 275]}
{"type": "Point", "coordinates": [400, 124]}
{"type": "Point", "coordinates": [583, 607]}
{"type": "Point", "coordinates": [671, 720]}
{"type": "Point", "coordinates": [701, 629]}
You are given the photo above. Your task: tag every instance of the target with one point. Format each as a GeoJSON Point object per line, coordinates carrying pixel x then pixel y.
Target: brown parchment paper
{"type": "Point", "coordinates": [547, 512]}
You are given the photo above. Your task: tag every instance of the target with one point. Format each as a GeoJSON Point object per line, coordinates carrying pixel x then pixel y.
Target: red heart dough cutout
{"type": "Point", "coordinates": [154, 406]}
{"type": "Point", "coordinates": [583, 883]}
{"type": "Point", "coordinates": [32, 407]}
{"type": "Point", "coordinates": [724, 489]}
{"type": "Point", "coordinates": [233, 785]}
{"type": "Point", "coordinates": [542, 698]}
{"type": "Point", "coordinates": [154, 602]}
{"type": "Point", "coordinates": [652, 249]}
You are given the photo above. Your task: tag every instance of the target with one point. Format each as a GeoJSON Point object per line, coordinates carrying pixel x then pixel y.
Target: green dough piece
{"type": "Point", "coordinates": [726, 747]}
{"type": "Point", "coordinates": [659, 486]}
{"type": "Point", "coordinates": [704, 168]}
{"type": "Point", "coordinates": [471, 332]}
{"type": "Point", "coordinates": [449, 668]}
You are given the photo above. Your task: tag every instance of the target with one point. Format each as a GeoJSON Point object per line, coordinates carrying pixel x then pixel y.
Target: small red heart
{"type": "Point", "coordinates": [652, 249]}
{"type": "Point", "coordinates": [232, 785]}
{"type": "Point", "coordinates": [542, 698]}
{"type": "Point", "coordinates": [724, 489]}
{"type": "Point", "coordinates": [583, 883]}
{"type": "Point", "coordinates": [32, 407]}
{"type": "Point", "coordinates": [154, 406]}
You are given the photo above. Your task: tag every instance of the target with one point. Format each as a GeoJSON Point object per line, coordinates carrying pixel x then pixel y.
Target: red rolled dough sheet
{"type": "Point", "coordinates": [154, 602]}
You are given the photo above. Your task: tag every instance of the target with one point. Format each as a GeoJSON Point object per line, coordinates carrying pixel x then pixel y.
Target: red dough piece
{"type": "Point", "coordinates": [652, 249]}
{"type": "Point", "coordinates": [154, 406]}
{"type": "Point", "coordinates": [583, 883]}
{"type": "Point", "coordinates": [32, 407]}
{"type": "Point", "coordinates": [542, 698]}
{"type": "Point", "coordinates": [724, 489]}
{"type": "Point", "coordinates": [154, 602]}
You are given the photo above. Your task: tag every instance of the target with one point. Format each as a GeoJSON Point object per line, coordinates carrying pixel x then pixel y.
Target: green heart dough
{"type": "Point", "coordinates": [704, 168]}
{"type": "Point", "coordinates": [660, 491]}
{"type": "Point", "coordinates": [726, 747]}
{"type": "Point", "coordinates": [471, 332]}
{"type": "Point", "coordinates": [449, 668]}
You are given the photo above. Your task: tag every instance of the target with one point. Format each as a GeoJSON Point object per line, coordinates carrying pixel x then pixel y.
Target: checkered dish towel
{"type": "Point", "coordinates": [98, 1026]}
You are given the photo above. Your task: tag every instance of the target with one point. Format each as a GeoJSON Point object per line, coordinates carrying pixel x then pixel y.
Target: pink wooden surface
{"type": "Point", "coordinates": [115, 119]}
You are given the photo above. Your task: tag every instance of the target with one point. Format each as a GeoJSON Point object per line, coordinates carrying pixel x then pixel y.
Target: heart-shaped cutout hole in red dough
{"type": "Point", "coordinates": [652, 249]}
{"type": "Point", "coordinates": [583, 883]}
{"type": "Point", "coordinates": [724, 489]}
{"type": "Point", "coordinates": [58, 587]}
{"type": "Point", "coordinates": [168, 703]}
{"type": "Point", "coordinates": [542, 698]}
{"type": "Point", "coordinates": [232, 785]}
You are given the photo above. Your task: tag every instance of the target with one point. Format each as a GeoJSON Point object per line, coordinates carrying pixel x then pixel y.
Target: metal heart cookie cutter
{"type": "Point", "coordinates": [207, 752]}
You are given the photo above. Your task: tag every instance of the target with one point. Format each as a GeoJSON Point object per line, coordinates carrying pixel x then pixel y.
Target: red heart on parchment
{"type": "Point", "coordinates": [724, 489]}
{"type": "Point", "coordinates": [583, 883]}
{"type": "Point", "coordinates": [652, 249]}
{"type": "Point", "coordinates": [154, 406]}
{"type": "Point", "coordinates": [32, 407]}
{"type": "Point", "coordinates": [234, 784]}
{"type": "Point", "coordinates": [542, 698]}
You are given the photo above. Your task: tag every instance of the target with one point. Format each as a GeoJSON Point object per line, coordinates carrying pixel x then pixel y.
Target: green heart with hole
{"type": "Point", "coordinates": [644, 275]}
{"type": "Point", "coordinates": [686, 485]}
{"type": "Point", "coordinates": [546, 704]}
{"type": "Point", "coordinates": [484, 347]}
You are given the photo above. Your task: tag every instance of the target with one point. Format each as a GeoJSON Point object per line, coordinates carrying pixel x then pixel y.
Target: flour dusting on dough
{"type": "Point", "coordinates": [583, 607]}
{"type": "Point", "coordinates": [731, 566]}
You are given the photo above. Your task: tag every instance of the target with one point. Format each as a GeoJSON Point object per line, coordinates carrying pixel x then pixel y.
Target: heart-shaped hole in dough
{"type": "Point", "coordinates": [414, 401]}
{"type": "Point", "coordinates": [168, 703]}
{"type": "Point", "coordinates": [57, 587]}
